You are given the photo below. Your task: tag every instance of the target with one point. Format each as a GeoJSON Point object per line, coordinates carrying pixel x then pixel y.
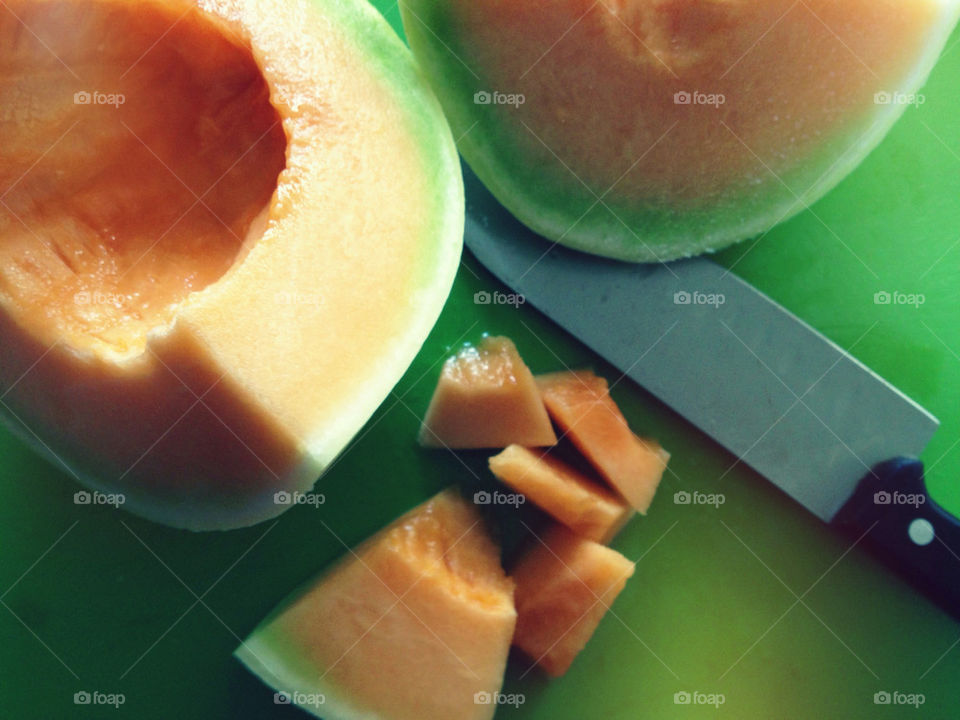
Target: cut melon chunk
{"type": "Point", "coordinates": [486, 398]}
{"type": "Point", "coordinates": [584, 506]}
{"type": "Point", "coordinates": [415, 624]}
{"type": "Point", "coordinates": [580, 403]}
{"type": "Point", "coordinates": [565, 585]}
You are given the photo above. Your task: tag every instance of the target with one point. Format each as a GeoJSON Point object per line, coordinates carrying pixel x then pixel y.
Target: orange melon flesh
{"type": "Point", "coordinates": [602, 156]}
{"type": "Point", "coordinates": [580, 403]}
{"type": "Point", "coordinates": [106, 235]}
{"type": "Point", "coordinates": [410, 626]}
{"type": "Point", "coordinates": [584, 506]}
{"type": "Point", "coordinates": [207, 288]}
{"type": "Point", "coordinates": [486, 398]}
{"type": "Point", "coordinates": [564, 587]}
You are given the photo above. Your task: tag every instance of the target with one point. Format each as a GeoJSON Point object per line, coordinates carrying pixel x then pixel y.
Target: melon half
{"type": "Point", "coordinates": [655, 129]}
{"type": "Point", "coordinates": [415, 624]}
{"type": "Point", "coordinates": [226, 229]}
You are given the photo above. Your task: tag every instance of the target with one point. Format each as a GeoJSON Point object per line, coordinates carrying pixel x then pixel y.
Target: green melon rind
{"type": "Point", "coordinates": [273, 656]}
{"type": "Point", "coordinates": [276, 655]}
{"type": "Point", "coordinates": [559, 207]}
{"type": "Point", "coordinates": [392, 62]}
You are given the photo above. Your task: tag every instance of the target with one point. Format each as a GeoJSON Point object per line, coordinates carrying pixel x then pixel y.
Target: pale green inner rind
{"type": "Point", "coordinates": [392, 63]}
{"type": "Point", "coordinates": [275, 657]}
{"type": "Point", "coordinates": [553, 203]}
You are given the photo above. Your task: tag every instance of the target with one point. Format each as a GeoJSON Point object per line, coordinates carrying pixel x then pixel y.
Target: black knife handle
{"type": "Point", "coordinates": [906, 529]}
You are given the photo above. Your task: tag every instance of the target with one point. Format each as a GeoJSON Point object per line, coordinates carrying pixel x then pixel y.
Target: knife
{"type": "Point", "coordinates": [780, 396]}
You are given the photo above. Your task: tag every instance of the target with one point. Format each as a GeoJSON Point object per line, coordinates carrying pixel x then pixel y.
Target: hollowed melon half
{"type": "Point", "coordinates": [225, 230]}
{"type": "Point", "coordinates": [654, 129]}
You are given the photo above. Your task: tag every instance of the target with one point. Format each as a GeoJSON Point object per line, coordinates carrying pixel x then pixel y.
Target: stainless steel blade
{"type": "Point", "coordinates": [764, 384]}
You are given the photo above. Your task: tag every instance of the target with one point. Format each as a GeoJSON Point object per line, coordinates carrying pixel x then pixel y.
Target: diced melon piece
{"type": "Point", "coordinates": [580, 403]}
{"type": "Point", "coordinates": [415, 624]}
{"type": "Point", "coordinates": [584, 506]}
{"type": "Point", "coordinates": [564, 586]}
{"type": "Point", "coordinates": [486, 398]}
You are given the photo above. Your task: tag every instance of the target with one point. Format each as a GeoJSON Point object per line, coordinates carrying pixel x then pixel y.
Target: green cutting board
{"type": "Point", "coordinates": [755, 600]}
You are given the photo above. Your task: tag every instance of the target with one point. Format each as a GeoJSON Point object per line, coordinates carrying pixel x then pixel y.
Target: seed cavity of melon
{"type": "Point", "coordinates": [133, 181]}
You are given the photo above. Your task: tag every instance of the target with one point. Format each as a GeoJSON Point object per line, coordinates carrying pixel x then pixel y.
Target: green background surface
{"type": "Point", "coordinates": [756, 600]}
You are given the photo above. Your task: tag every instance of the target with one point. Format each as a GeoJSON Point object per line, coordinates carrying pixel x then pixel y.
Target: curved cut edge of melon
{"type": "Point", "coordinates": [400, 76]}
{"type": "Point", "coordinates": [389, 60]}
{"type": "Point", "coordinates": [675, 236]}
{"type": "Point", "coordinates": [403, 76]}
{"type": "Point", "coordinates": [268, 655]}
{"type": "Point", "coordinates": [326, 445]}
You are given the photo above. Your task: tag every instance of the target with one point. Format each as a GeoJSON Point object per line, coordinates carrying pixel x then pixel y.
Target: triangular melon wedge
{"type": "Point", "coordinates": [580, 403]}
{"type": "Point", "coordinates": [486, 398]}
{"type": "Point", "coordinates": [223, 239]}
{"type": "Point", "coordinates": [414, 624]}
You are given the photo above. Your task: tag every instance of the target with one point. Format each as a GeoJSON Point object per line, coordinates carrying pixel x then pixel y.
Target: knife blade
{"type": "Point", "coordinates": [780, 396]}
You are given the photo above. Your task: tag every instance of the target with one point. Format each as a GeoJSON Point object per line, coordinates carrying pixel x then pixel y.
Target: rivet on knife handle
{"type": "Point", "coordinates": [906, 529]}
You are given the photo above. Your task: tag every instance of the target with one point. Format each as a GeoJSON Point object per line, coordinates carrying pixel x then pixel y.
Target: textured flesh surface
{"type": "Point", "coordinates": [564, 587]}
{"type": "Point", "coordinates": [201, 335]}
{"type": "Point", "coordinates": [580, 403]}
{"type": "Point", "coordinates": [425, 656]}
{"type": "Point", "coordinates": [584, 506]}
{"type": "Point", "coordinates": [601, 156]}
{"type": "Point", "coordinates": [486, 398]}
{"type": "Point", "coordinates": [104, 235]}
